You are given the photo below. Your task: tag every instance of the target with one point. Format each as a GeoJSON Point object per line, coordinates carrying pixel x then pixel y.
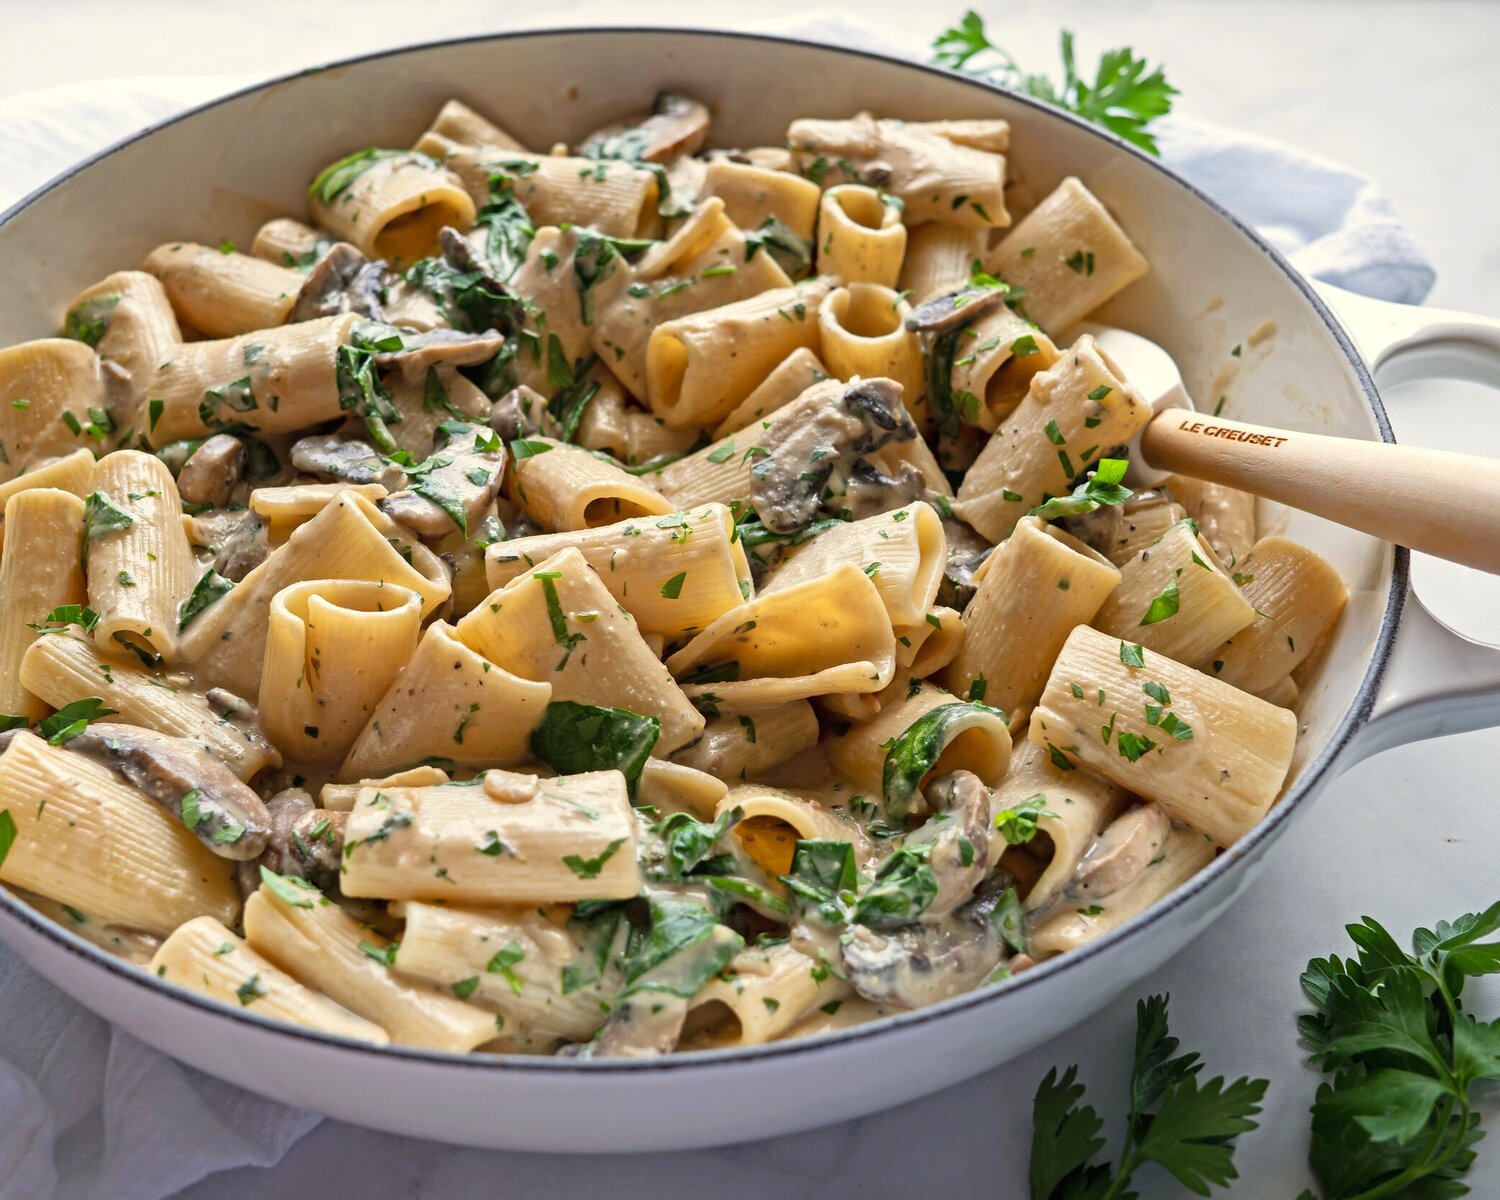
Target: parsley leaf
{"type": "Point", "coordinates": [1396, 1116]}
{"type": "Point", "coordinates": [1177, 1121]}
{"type": "Point", "coordinates": [1101, 488]}
{"type": "Point", "coordinates": [1124, 98]}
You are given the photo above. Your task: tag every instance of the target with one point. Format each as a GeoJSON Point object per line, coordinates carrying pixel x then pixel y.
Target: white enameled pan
{"type": "Point", "coordinates": [1392, 674]}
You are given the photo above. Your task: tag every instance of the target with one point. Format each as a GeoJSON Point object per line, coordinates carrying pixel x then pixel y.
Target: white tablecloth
{"type": "Point", "coordinates": [102, 1116]}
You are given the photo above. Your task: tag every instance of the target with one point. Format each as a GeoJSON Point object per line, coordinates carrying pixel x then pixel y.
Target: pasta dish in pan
{"type": "Point", "coordinates": [623, 598]}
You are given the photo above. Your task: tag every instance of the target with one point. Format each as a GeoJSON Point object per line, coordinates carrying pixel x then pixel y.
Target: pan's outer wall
{"type": "Point", "coordinates": [218, 172]}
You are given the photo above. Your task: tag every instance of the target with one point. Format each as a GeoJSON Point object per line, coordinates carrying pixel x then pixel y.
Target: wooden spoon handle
{"type": "Point", "coordinates": [1430, 500]}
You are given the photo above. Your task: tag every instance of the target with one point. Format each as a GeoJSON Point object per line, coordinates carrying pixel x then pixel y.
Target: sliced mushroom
{"type": "Point", "coordinates": [676, 125]}
{"type": "Point", "coordinates": [453, 487]}
{"type": "Point", "coordinates": [959, 831]}
{"type": "Point", "coordinates": [438, 347]}
{"type": "Point", "coordinates": [522, 413]}
{"type": "Point", "coordinates": [304, 841]}
{"type": "Point", "coordinates": [788, 485]}
{"type": "Point", "coordinates": [335, 459]}
{"type": "Point", "coordinates": [212, 470]}
{"type": "Point", "coordinates": [244, 549]}
{"type": "Point", "coordinates": [237, 712]}
{"type": "Point", "coordinates": [919, 964]}
{"type": "Point", "coordinates": [868, 490]}
{"type": "Point", "coordinates": [342, 281]}
{"type": "Point", "coordinates": [967, 551]}
{"type": "Point", "coordinates": [1126, 848]}
{"type": "Point", "coordinates": [225, 814]}
{"type": "Point", "coordinates": [945, 313]}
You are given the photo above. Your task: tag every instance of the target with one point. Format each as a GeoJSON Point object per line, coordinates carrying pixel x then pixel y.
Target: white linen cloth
{"type": "Point", "coordinates": [91, 1112]}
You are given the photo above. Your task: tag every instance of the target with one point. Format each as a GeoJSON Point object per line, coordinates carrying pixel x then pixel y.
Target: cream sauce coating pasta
{"type": "Point", "coordinates": [564, 600]}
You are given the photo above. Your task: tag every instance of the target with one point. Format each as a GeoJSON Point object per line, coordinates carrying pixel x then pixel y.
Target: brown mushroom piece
{"type": "Point", "coordinates": [304, 841]}
{"type": "Point", "coordinates": [244, 549]}
{"type": "Point", "coordinates": [454, 486]}
{"type": "Point", "coordinates": [806, 451]}
{"type": "Point", "coordinates": [225, 814]}
{"type": "Point", "coordinates": [335, 459]}
{"type": "Point", "coordinates": [1126, 848]}
{"type": "Point", "coordinates": [342, 280]}
{"type": "Point", "coordinates": [959, 833]}
{"type": "Point", "coordinates": [917, 965]}
{"type": "Point", "coordinates": [522, 413]}
{"type": "Point", "coordinates": [238, 713]}
{"type": "Point", "coordinates": [435, 347]}
{"type": "Point", "coordinates": [967, 552]}
{"type": "Point", "coordinates": [212, 470]}
{"type": "Point", "coordinates": [676, 125]}
{"type": "Point", "coordinates": [945, 313]}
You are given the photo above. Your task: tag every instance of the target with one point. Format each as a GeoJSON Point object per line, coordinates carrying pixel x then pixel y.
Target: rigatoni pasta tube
{"type": "Point", "coordinates": [86, 839]}
{"type": "Point", "coordinates": [797, 372]}
{"type": "Point", "coordinates": [564, 487]}
{"type": "Point", "coordinates": [1075, 808]}
{"type": "Point", "coordinates": [673, 787]}
{"type": "Point", "coordinates": [349, 539]}
{"type": "Point", "coordinates": [521, 963]}
{"type": "Point", "coordinates": [739, 746]}
{"type": "Point", "coordinates": [1225, 515]}
{"type": "Point", "coordinates": [1213, 756]}
{"type": "Point", "coordinates": [860, 236]}
{"type": "Point", "coordinates": [294, 926]}
{"type": "Point", "coordinates": [203, 956]}
{"type": "Point", "coordinates": [1037, 585]}
{"type": "Point", "coordinates": [1072, 411]}
{"type": "Point", "coordinates": [38, 573]}
{"type": "Point", "coordinates": [1144, 519]}
{"type": "Point", "coordinates": [70, 473]}
{"type": "Point", "coordinates": [285, 509]}
{"type": "Point", "coordinates": [935, 178]}
{"type": "Point", "coordinates": [61, 667]}
{"type": "Point", "coordinates": [636, 559]}
{"type": "Point", "coordinates": [288, 242]}
{"type": "Point", "coordinates": [559, 624]}
{"type": "Point", "coordinates": [700, 367]}
{"type": "Point", "coordinates": [862, 332]}
{"type": "Point", "coordinates": [514, 839]}
{"type": "Point", "coordinates": [1297, 597]}
{"type": "Point", "coordinates": [457, 122]}
{"type": "Point", "coordinates": [613, 196]}
{"type": "Point", "coordinates": [775, 819]}
{"type": "Point", "coordinates": [1069, 255]}
{"type": "Point", "coordinates": [139, 563]}
{"type": "Point", "coordinates": [220, 294]}
{"type": "Point", "coordinates": [449, 703]}
{"type": "Point", "coordinates": [275, 381]}
{"type": "Point", "coordinates": [128, 319]}
{"type": "Point", "coordinates": [826, 635]}
{"type": "Point", "coordinates": [333, 648]}
{"type": "Point", "coordinates": [940, 257]}
{"type": "Point", "coordinates": [995, 360]}
{"type": "Point", "coordinates": [390, 203]}
{"type": "Point", "coordinates": [973, 738]}
{"type": "Point", "coordinates": [942, 642]}
{"type": "Point", "coordinates": [1175, 598]}
{"type": "Point", "coordinates": [762, 993]}
{"type": "Point", "coordinates": [903, 551]}
{"type": "Point", "coordinates": [49, 391]}
{"type": "Point", "coordinates": [751, 194]}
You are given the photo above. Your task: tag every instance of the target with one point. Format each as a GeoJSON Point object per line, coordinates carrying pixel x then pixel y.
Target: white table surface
{"type": "Point", "coordinates": [1403, 91]}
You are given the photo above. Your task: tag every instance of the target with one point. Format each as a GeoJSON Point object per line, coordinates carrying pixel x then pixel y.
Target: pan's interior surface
{"type": "Point", "coordinates": [217, 173]}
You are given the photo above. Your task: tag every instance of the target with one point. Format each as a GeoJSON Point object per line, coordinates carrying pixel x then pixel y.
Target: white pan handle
{"type": "Point", "coordinates": [1436, 681]}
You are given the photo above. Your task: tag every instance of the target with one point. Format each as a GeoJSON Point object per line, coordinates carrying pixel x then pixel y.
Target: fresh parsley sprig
{"type": "Point", "coordinates": [1176, 1121]}
{"type": "Point", "coordinates": [1124, 97]}
{"type": "Point", "coordinates": [1397, 1116]}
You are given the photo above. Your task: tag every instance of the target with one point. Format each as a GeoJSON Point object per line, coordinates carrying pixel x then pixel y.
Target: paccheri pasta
{"type": "Point", "coordinates": [574, 603]}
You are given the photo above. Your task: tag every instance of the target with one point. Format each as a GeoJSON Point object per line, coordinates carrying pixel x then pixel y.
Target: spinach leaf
{"type": "Point", "coordinates": [902, 889]}
{"type": "Point", "coordinates": [212, 587]}
{"type": "Point", "coordinates": [582, 737]}
{"type": "Point", "coordinates": [686, 932]}
{"type": "Point", "coordinates": [918, 748]}
{"type": "Point", "coordinates": [510, 228]}
{"type": "Point", "coordinates": [596, 932]}
{"type": "Point", "coordinates": [689, 842]}
{"type": "Point", "coordinates": [89, 321]}
{"type": "Point", "coordinates": [791, 253]}
{"type": "Point", "coordinates": [336, 178]}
